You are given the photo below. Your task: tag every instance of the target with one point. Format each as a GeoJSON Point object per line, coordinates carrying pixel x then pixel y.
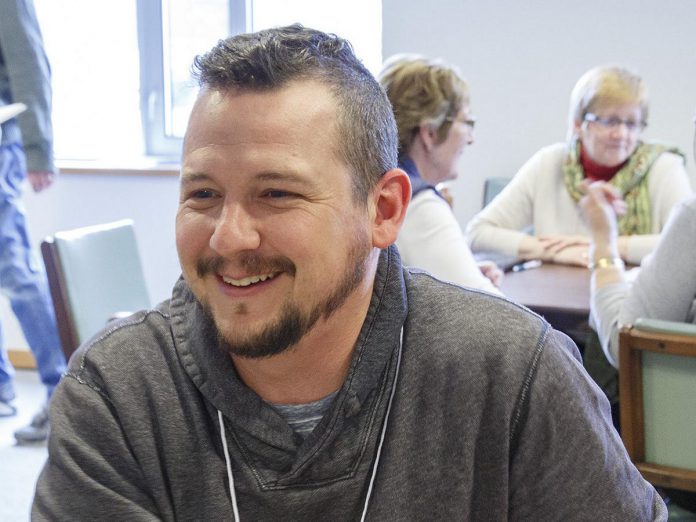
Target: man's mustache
{"type": "Point", "coordinates": [251, 263]}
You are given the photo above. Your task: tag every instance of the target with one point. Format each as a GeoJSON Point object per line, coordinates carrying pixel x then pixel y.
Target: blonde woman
{"type": "Point", "coordinates": [666, 284]}
{"type": "Point", "coordinates": [608, 112]}
{"type": "Point", "coordinates": [435, 125]}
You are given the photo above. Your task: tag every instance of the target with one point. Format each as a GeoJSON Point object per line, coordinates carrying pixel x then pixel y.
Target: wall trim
{"type": "Point", "coordinates": [22, 359]}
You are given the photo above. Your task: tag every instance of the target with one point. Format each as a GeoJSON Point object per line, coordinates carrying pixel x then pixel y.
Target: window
{"type": "Point", "coordinates": [172, 33]}
{"type": "Point", "coordinates": [121, 70]}
{"type": "Point", "coordinates": [93, 49]}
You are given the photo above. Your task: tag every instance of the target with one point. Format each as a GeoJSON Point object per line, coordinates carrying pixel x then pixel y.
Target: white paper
{"type": "Point", "coordinates": [8, 112]}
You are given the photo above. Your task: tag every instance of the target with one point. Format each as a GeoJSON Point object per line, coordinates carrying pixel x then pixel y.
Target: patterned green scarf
{"type": "Point", "coordinates": [631, 180]}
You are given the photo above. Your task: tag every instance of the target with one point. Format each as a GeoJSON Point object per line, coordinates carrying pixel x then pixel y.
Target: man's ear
{"type": "Point", "coordinates": [391, 196]}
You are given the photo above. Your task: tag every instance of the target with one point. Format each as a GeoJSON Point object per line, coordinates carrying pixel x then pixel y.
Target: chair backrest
{"type": "Point", "coordinates": [94, 273]}
{"type": "Point", "coordinates": [492, 187]}
{"type": "Point", "coordinates": [657, 392]}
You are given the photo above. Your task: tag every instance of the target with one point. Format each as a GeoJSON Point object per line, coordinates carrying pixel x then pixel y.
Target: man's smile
{"type": "Point", "coordinates": [246, 281]}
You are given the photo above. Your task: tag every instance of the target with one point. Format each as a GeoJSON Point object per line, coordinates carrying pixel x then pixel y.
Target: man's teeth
{"type": "Point", "coordinates": [247, 280]}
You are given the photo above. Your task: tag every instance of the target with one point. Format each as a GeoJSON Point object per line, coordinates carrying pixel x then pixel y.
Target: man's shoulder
{"type": "Point", "coordinates": [125, 344]}
{"type": "Point", "coordinates": [466, 317]}
{"type": "Point", "coordinates": [478, 342]}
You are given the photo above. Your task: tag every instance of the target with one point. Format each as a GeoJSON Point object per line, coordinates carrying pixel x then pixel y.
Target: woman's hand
{"type": "Point", "coordinates": [492, 272]}
{"type": "Point", "coordinates": [558, 248]}
{"type": "Point", "coordinates": [553, 244]}
{"type": "Point", "coordinates": [577, 255]}
{"type": "Point", "coordinates": [600, 206]}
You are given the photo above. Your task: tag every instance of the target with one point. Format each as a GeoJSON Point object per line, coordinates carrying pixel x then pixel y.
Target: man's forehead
{"type": "Point", "coordinates": [305, 98]}
{"type": "Point", "coordinates": [300, 111]}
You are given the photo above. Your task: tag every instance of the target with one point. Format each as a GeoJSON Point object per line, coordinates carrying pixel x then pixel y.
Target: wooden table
{"type": "Point", "coordinates": [560, 293]}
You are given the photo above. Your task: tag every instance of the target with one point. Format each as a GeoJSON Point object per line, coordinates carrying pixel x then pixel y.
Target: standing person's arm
{"type": "Point", "coordinates": [29, 77]}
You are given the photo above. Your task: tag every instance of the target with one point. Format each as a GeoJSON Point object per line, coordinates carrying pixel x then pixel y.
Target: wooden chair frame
{"type": "Point", "coordinates": [67, 330]}
{"type": "Point", "coordinates": [632, 342]}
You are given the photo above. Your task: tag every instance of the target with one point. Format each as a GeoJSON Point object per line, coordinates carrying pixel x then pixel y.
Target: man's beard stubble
{"type": "Point", "coordinates": [293, 324]}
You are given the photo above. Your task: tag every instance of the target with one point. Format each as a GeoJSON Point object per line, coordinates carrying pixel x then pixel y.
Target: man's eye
{"type": "Point", "coordinates": [202, 194]}
{"type": "Point", "coordinates": [276, 194]}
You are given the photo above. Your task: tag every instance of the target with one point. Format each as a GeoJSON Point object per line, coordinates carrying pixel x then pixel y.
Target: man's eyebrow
{"type": "Point", "coordinates": [291, 177]}
{"type": "Point", "coordinates": [271, 176]}
{"type": "Point", "coordinates": [194, 177]}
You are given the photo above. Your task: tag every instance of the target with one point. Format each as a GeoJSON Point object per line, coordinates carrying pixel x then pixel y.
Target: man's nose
{"type": "Point", "coordinates": [236, 230]}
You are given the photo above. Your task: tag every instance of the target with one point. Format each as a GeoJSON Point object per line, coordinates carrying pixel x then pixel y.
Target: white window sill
{"type": "Point", "coordinates": [136, 167]}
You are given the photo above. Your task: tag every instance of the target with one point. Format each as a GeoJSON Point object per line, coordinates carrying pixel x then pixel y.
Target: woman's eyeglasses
{"type": "Point", "coordinates": [615, 123]}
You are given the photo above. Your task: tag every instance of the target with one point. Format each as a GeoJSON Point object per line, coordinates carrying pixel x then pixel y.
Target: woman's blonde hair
{"type": "Point", "coordinates": [422, 92]}
{"type": "Point", "coordinates": [606, 85]}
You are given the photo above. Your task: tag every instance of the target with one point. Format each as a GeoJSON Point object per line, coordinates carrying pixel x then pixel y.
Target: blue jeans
{"type": "Point", "coordinates": [23, 281]}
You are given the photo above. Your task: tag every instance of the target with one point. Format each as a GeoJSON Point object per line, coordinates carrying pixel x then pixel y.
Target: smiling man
{"type": "Point", "coordinates": [298, 371]}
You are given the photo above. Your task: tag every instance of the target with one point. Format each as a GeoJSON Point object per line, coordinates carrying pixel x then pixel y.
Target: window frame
{"type": "Point", "coordinates": [154, 93]}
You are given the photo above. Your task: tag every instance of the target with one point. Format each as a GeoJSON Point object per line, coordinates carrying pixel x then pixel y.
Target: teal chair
{"type": "Point", "coordinates": [492, 187]}
{"type": "Point", "coordinates": [657, 391]}
{"type": "Point", "coordinates": [95, 275]}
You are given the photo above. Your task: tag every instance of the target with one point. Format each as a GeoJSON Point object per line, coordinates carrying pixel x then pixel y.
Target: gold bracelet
{"type": "Point", "coordinates": [605, 262]}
